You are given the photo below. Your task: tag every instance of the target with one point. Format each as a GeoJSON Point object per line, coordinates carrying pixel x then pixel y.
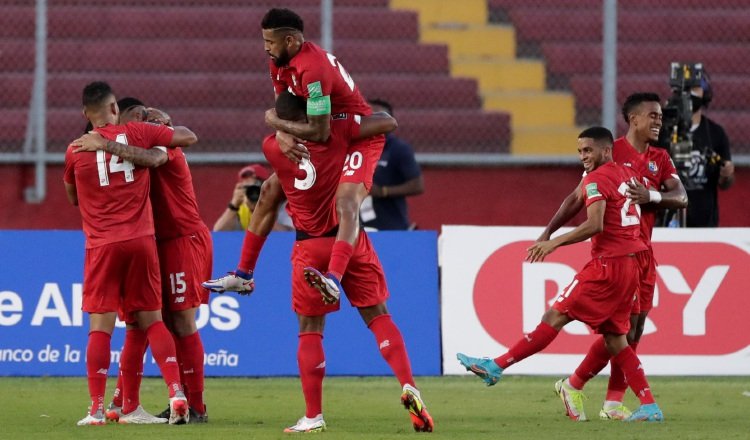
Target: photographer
{"type": "Point", "coordinates": [237, 214]}
{"type": "Point", "coordinates": [711, 165]}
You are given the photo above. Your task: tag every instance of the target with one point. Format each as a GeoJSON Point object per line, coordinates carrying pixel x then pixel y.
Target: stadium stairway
{"type": "Point", "coordinates": [543, 122]}
{"type": "Point", "coordinates": [566, 34]}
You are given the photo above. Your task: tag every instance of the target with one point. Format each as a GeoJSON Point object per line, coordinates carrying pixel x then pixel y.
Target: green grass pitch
{"type": "Point", "coordinates": [518, 407]}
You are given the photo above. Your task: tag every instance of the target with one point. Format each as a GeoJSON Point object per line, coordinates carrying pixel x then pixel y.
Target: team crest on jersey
{"type": "Point", "coordinates": [652, 166]}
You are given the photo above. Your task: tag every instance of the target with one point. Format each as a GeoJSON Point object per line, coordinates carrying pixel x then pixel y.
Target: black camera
{"type": "Point", "coordinates": [252, 192]}
{"type": "Point", "coordinates": [678, 113]}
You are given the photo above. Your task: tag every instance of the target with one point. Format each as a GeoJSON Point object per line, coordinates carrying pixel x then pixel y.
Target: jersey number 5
{"type": "Point", "coordinates": [115, 165]}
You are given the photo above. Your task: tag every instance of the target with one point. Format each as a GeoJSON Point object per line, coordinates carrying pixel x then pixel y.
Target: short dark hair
{"type": "Point", "coordinates": [128, 102]}
{"type": "Point", "coordinates": [95, 93]}
{"type": "Point", "coordinates": [635, 100]}
{"type": "Point", "coordinates": [382, 103]}
{"type": "Point", "coordinates": [598, 134]}
{"type": "Point", "coordinates": [290, 107]}
{"type": "Point", "coordinates": [282, 18]}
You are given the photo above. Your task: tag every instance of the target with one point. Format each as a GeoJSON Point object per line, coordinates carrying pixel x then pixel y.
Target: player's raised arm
{"type": "Point", "coordinates": [375, 124]}
{"type": "Point", "coordinates": [317, 127]}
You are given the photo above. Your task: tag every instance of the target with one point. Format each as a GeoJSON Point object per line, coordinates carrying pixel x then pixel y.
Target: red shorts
{"type": "Point", "coordinates": [122, 276]}
{"type": "Point", "coordinates": [185, 263]}
{"type": "Point", "coordinates": [647, 265]}
{"type": "Point", "coordinates": [364, 281]}
{"type": "Point", "coordinates": [602, 294]}
{"type": "Point", "coordinates": [362, 159]}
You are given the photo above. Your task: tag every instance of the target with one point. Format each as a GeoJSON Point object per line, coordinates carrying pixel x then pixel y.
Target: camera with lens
{"type": "Point", "coordinates": [678, 112]}
{"type": "Point", "coordinates": [252, 192]}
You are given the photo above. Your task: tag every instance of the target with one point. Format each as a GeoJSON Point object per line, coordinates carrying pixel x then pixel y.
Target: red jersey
{"type": "Point", "coordinates": [173, 198]}
{"type": "Point", "coordinates": [654, 166]}
{"type": "Point", "coordinates": [112, 193]}
{"type": "Point", "coordinates": [315, 73]}
{"type": "Point", "coordinates": [310, 186]}
{"type": "Point", "coordinates": [621, 234]}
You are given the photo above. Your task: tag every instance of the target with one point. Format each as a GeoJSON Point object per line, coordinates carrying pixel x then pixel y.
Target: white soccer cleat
{"type": "Point", "coordinates": [572, 399]}
{"type": "Point", "coordinates": [236, 281]}
{"type": "Point", "coordinates": [306, 425]}
{"type": "Point", "coordinates": [614, 412]}
{"type": "Point", "coordinates": [179, 411]}
{"type": "Point", "coordinates": [141, 417]}
{"type": "Point", "coordinates": [96, 419]}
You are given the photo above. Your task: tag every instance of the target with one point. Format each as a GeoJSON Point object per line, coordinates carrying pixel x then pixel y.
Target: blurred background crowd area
{"type": "Point", "coordinates": [471, 76]}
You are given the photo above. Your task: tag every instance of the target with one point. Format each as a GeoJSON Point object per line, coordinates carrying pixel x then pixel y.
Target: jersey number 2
{"type": "Point", "coordinates": [630, 212]}
{"type": "Point", "coordinates": [344, 74]}
{"type": "Point", "coordinates": [115, 166]}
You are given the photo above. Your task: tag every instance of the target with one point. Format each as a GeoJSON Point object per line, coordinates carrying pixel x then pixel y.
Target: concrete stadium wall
{"type": "Point", "coordinates": [510, 196]}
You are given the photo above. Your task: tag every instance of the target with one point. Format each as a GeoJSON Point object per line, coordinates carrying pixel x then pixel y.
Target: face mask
{"type": "Point", "coordinates": [697, 102]}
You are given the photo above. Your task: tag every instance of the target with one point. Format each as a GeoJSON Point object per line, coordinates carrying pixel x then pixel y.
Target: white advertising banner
{"type": "Point", "coordinates": [491, 297]}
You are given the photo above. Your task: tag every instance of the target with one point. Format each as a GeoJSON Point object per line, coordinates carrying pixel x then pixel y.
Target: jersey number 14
{"type": "Point", "coordinates": [115, 165]}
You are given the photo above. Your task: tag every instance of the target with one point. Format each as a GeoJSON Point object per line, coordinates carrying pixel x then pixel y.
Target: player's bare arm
{"type": "Point", "coordinates": [376, 124]}
{"type": "Point", "coordinates": [70, 191]}
{"type": "Point", "coordinates": [93, 141]}
{"type": "Point", "coordinates": [571, 206]}
{"type": "Point", "coordinates": [266, 209]}
{"type": "Point", "coordinates": [593, 225]}
{"type": "Point", "coordinates": [673, 196]}
{"type": "Point", "coordinates": [317, 128]}
{"type": "Point", "coordinates": [292, 147]}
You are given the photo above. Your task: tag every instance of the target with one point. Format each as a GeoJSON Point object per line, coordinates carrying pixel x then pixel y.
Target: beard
{"type": "Point", "coordinates": [282, 60]}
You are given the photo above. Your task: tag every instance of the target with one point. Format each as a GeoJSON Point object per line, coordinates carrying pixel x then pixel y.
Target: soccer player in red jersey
{"type": "Point", "coordinates": [121, 265]}
{"type": "Point", "coordinates": [659, 187]}
{"type": "Point", "coordinates": [185, 257]}
{"type": "Point", "coordinates": [310, 188]}
{"type": "Point", "coordinates": [603, 292]}
{"type": "Point", "coordinates": [308, 71]}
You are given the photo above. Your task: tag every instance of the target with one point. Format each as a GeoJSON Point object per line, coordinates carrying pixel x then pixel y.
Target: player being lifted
{"type": "Point", "coordinates": [306, 70]}
{"type": "Point", "coordinates": [602, 294]}
{"type": "Point", "coordinates": [310, 189]}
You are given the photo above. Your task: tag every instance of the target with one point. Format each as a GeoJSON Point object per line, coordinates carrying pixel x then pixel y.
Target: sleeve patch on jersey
{"type": "Point", "coordinates": [319, 106]}
{"type": "Point", "coordinates": [592, 190]}
{"type": "Point", "coordinates": [315, 90]}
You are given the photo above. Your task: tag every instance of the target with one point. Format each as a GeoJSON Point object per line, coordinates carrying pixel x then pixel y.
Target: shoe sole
{"type": "Point", "coordinates": [421, 420]}
{"type": "Point", "coordinates": [309, 431]}
{"type": "Point", "coordinates": [315, 280]}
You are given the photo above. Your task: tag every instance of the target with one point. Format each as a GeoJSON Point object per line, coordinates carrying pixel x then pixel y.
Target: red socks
{"type": "Point", "coordinates": [340, 256]}
{"type": "Point", "coordinates": [596, 359]}
{"type": "Point", "coordinates": [131, 369]}
{"type": "Point", "coordinates": [97, 365]}
{"type": "Point", "coordinates": [630, 364]}
{"type": "Point", "coordinates": [251, 246]}
{"type": "Point", "coordinates": [617, 383]}
{"type": "Point", "coordinates": [312, 370]}
{"type": "Point", "coordinates": [392, 347]}
{"type": "Point", "coordinates": [533, 342]}
{"type": "Point", "coordinates": [163, 349]}
{"type": "Point", "coordinates": [191, 355]}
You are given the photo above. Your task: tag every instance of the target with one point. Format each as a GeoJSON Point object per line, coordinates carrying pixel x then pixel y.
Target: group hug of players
{"type": "Point", "coordinates": [129, 178]}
